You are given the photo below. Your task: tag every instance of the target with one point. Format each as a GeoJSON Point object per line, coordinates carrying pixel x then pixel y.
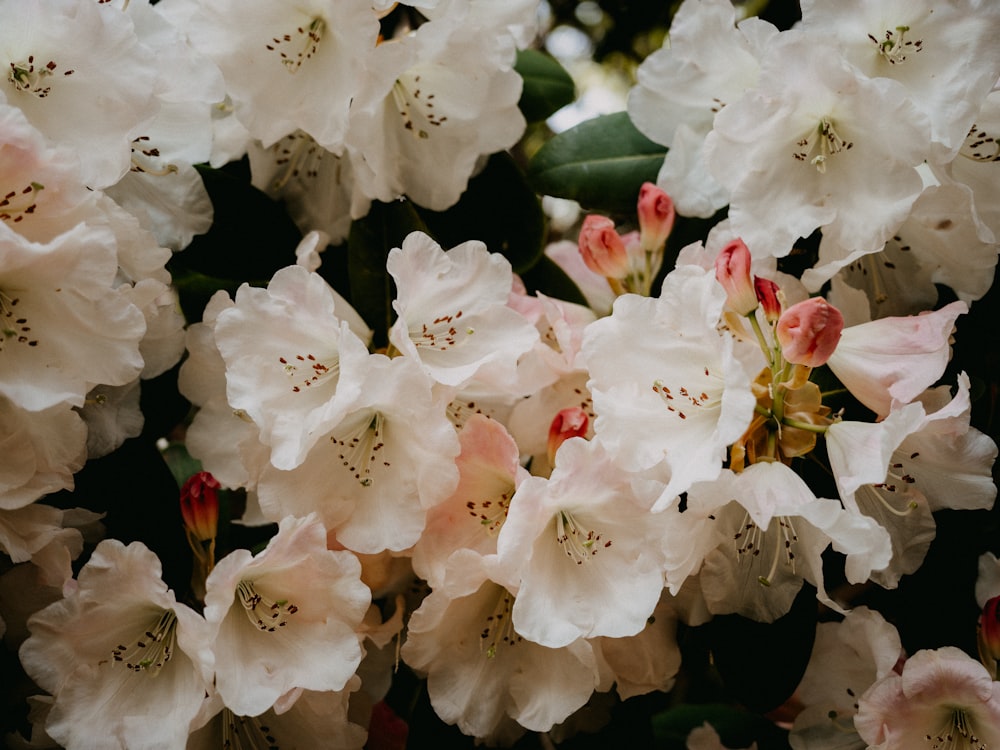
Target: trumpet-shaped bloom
{"type": "Point", "coordinates": [480, 671]}
{"type": "Point", "coordinates": [452, 307]}
{"type": "Point", "coordinates": [942, 697]}
{"type": "Point", "coordinates": [293, 356]}
{"type": "Point", "coordinates": [285, 618]}
{"type": "Point", "coordinates": [668, 389]}
{"type": "Point", "coordinates": [129, 666]}
{"type": "Point", "coordinates": [710, 63]}
{"type": "Point", "coordinates": [808, 148]}
{"type": "Point", "coordinates": [586, 550]}
{"type": "Point", "coordinates": [289, 67]}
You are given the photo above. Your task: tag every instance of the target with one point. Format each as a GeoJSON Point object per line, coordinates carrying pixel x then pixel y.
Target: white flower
{"type": "Point", "coordinates": [847, 658]}
{"type": "Point", "coordinates": [289, 67]}
{"type": "Point", "coordinates": [452, 308]}
{"type": "Point", "coordinates": [585, 550]}
{"type": "Point", "coordinates": [668, 389]}
{"type": "Point", "coordinates": [435, 101]}
{"type": "Point", "coordinates": [479, 669]}
{"type": "Point", "coordinates": [285, 618]}
{"type": "Point", "coordinates": [895, 359]}
{"type": "Point", "coordinates": [709, 63]}
{"type": "Point", "coordinates": [944, 54]}
{"type": "Point", "coordinates": [65, 56]}
{"type": "Point", "coordinates": [808, 148]}
{"type": "Point", "coordinates": [372, 476]}
{"type": "Point", "coordinates": [942, 696]}
{"type": "Point", "coordinates": [128, 665]}
{"type": "Point", "coordinates": [292, 359]}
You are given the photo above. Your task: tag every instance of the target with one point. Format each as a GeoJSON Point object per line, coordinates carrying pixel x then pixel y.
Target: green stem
{"type": "Point", "coordinates": [807, 426]}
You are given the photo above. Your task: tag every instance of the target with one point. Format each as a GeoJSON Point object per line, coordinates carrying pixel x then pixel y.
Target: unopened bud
{"type": "Point", "coordinates": [989, 629]}
{"type": "Point", "coordinates": [656, 216]}
{"type": "Point", "coordinates": [767, 295]}
{"type": "Point", "coordinates": [732, 270]}
{"type": "Point", "coordinates": [200, 505]}
{"type": "Point", "coordinates": [602, 248]}
{"type": "Point", "coordinates": [568, 423]}
{"type": "Point", "coordinates": [809, 332]}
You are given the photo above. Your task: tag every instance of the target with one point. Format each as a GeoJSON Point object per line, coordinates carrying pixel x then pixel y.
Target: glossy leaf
{"type": "Point", "coordinates": [600, 163]}
{"type": "Point", "coordinates": [547, 86]}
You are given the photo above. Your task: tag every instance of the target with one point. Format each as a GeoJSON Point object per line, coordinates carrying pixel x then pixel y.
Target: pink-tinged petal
{"type": "Point", "coordinates": [809, 332]}
{"type": "Point", "coordinates": [895, 358]}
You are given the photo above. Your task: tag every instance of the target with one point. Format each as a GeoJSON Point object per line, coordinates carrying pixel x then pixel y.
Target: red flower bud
{"type": "Point", "coordinates": [809, 332]}
{"type": "Point", "coordinates": [767, 295]}
{"type": "Point", "coordinates": [200, 505]}
{"type": "Point", "coordinates": [656, 216]}
{"type": "Point", "coordinates": [570, 422]}
{"type": "Point", "coordinates": [602, 249]}
{"type": "Point", "coordinates": [989, 629]}
{"type": "Point", "coordinates": [732, 270]}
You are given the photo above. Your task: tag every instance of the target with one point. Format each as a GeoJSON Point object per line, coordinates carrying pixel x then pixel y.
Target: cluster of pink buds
{"type": "Point", "coordinates": [630, 262]}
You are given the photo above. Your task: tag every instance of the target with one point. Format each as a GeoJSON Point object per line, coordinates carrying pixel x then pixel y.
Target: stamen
{"type": "Point", "coordinates": [315, 370]}
{"type": "Point", "coordinates": [306, 37]}
{"type": "Point", "coordinates": [416, 107]}
{"type": "Point", "coordinates": [750, 544]}
{"type": "Point", "coordinates": [13, 324]}
{"type": "Point", "coordinates": [957, 732]}
{"type": "Point", "coordinates": [358, 452]}
{"type": "Point", "coordinates": [894, 47]}
{"type": "Point", "coordinates": [152, 650]}
{"type": "Point", "coordinates": [298, 155]}
{"type": "Point", "coordinates": [17, 204]}
{"type": "Point", "coordinates": [826, 141]}
{"type": "Point", "coordinates": [266, 614]}
{"type": "Point", "coordinates": [491, 512]}
{"type": "Point", "coordinates": [442, 333]}
{"type": "Point", "coordinates": [980, 146]}
{"type": "Point", "coordinates": [141, 150]}
{"type": "Point", "coordinates": [682, 399]}
{"type": "Point", "coordinates": [31, 79]}
{"type": "Point", "coordinates": [246, 733]}
{"type": "Point", "coordinates": [498, 630]}
{"type": "Point", "coordinates": [578, 543]}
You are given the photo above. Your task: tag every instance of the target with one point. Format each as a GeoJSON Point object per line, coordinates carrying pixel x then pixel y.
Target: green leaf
{"type": "Point", "coordinates": [500, 209]}
{"type": "Point", "coordinates": [735, 727]}
{"type": "Point", "coordinates": [368, 246]}
{"type": "Point", "coordinates": [548, 278]}
{"type": "Point", "coordinates": [547, 85]}
{"type": "Point", "coordinates": [601, 163]}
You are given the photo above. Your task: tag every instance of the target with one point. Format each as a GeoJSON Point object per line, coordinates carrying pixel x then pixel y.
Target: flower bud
{"type": "Point", "coordinates": [656, 216]}
{"type": "Point", "coordinates": [989, 629]}
{"type": "Point", "coordinates": [732, 270]}
{"type": "Point", "coordinates": [200, 505]}
{"type": "Point", "coordinates": [570, 422]}
{"type": "Point", "coordinates": [767, 294]}
{"type": "Point", "coordinates": [602, 249]}
{"type": "Point", "coordinates": [809, 332]}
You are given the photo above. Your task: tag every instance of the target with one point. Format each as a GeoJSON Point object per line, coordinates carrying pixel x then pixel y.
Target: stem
{"type": "Point", "coordinates": [807, 426]}
{"type": "Point", "coordinates": [764, 346]}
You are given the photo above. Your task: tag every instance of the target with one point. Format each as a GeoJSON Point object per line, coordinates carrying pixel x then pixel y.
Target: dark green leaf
{"type": "Point", "coordinates": [368, 246]}
{"type": "Point", "coordinates": [547, 85]}
{"type": "Point", "coordinates": [498, 208]}
{"type": "Point", "coordinates": [601, 163]}
{"type": "Point", "coordinates": [548, 278]}
{"type": "Point", "coordinates": [251, 235]}
{"type": "Point", "coordinates": [736, 727]}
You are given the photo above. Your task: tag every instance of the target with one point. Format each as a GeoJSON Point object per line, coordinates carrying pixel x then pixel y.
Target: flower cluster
{"type": "Point", "coordinates": [519, 498]}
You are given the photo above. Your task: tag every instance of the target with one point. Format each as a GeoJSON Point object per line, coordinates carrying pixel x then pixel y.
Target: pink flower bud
{"type": "Point", "coordinates": [989, 629]}
{"type": "Point", "coordinates": [570, 422]}
{"type": "Point", "coordinates": [602, 249]}
{"type": "Point", "coordinates": [732, 270]}
{"type": "Point", "coordinates": [200, 505]}
{"type": "Point", "coordinates": [656, 216]}
{"type": "Point", "coordinates": [809, 331]}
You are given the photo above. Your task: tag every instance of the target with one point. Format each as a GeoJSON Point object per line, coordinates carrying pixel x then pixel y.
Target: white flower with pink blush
{"type": "Point", "coordinates": [285, 618]}
{"type": "Point", "coordinates": [942, 699]}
